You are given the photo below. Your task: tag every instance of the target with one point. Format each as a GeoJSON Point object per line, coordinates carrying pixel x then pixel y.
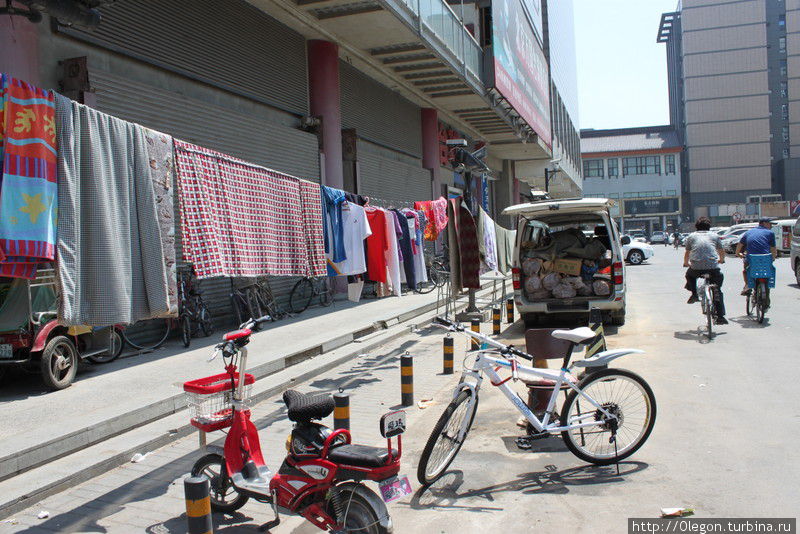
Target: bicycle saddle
{"type": "Point", "coordinates": [576, 335]}
{"type": "Point", "coordinates": [304, 407]}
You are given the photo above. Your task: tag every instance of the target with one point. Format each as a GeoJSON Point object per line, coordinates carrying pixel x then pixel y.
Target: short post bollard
{"type": "Point", "coordinates": [496, 321]}
{"type": "Point", "coordinates": [198, 505]}
{"type": "Point", "coordinates": [447, 355]}
{"type": "Point", "coordinates": [407, 379]}
{"type": "Point", "coordinates": [476, 327]}
{"type": "Point", "coordinates": [341, 410]}
{"type": "Point", "coordinates": [510, 311]}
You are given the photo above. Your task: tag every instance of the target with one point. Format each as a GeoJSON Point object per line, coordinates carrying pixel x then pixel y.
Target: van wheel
{"type": "Point", "coordinates": [59, 363]}
{"type": "Point", "coordinates": [531, 320]}
{"type": "Point", "coordinates": [797, 271]}
{"type": "Point", "coordinates": [635, 257]}
{"type": "Point", "coordinates": [618, 318]}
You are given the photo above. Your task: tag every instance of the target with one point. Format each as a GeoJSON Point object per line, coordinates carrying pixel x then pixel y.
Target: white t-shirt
{"type": "Point", "coordinates": [356, 230]}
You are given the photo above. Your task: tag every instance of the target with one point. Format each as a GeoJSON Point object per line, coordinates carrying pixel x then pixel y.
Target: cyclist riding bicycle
{"type": "Point", "coordinates": [703, 255]}
{"type": "Point", "coordinates": [758, 240]}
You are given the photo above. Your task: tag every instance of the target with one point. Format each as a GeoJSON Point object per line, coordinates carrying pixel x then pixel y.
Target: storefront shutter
{"type": "Point", "coordinates": [387, 175]}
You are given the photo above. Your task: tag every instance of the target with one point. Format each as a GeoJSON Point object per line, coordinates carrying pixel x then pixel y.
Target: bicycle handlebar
{"type": "Point", "coordinates": [504, 349]}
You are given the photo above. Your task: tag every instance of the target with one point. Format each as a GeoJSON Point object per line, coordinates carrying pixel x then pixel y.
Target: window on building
{"type": "Point", "coordinates": [782, 44]}
{"type": "Point", "coordinates": [785, 153]}
{"type": "Point", "coordinates": [785, 131]}
{"type": "Point", "coordinates": [613, 195]}
{"type": "Point", "coordinates": [613, 167]}
{"type": "Point", "coordinates": [784, 68]}
{"type": "Point", "coordinates": [781, 20]}
{"type": "Point", "coordinates": [784, 89]}
{"type": "Point", "coordinates": [641, 165]}
{"type": "Point", "coordinates": [629, 195]}
{"type": "Point", "coordinates": [593, 168]}
{"type": "Point", "coordinates": [671, 193]}
{"type": "Point", "coordinates": [669, 164]}
{"type": "Point", "coordinates": [785, 111]}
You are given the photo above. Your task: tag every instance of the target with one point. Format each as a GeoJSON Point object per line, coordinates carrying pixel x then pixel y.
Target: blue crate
{"type": "Point", "coordinates": [760, 266]}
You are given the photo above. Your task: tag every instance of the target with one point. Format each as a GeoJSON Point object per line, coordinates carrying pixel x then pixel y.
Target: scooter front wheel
{"type": "Point", "coordinates": [224, 496]}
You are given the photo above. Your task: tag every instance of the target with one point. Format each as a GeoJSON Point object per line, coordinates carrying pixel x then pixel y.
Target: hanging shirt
{"type": "Point", "coordinates": [377, 245]}
{"type": "Point", "coordinates": [332, 200]}
{"type": "Point", "coordinates": [355, 229]}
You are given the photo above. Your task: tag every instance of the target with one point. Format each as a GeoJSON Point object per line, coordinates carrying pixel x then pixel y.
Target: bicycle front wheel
{"type": "Point", "coordinates": [147, 335]}
{"type": "Point", "coordinates": [301, 295]}
{"type": "Point", "coordinates": [325, 292]}
{"type": "Point", "coordinates": [445, 442]}
{"type": "Point", "coordinates": [621, 393]}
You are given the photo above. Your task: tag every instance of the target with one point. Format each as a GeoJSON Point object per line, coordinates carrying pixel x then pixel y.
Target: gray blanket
{"type": "Point", "coordinates": [110, 259]}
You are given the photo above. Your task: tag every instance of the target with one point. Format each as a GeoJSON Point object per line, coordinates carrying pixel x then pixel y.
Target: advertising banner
{"type": "Point", "coordinates": [520, 69]}
{"type": "Point", "coordinates": [650, 207]}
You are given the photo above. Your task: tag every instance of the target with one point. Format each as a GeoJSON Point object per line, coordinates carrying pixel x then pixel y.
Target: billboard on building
{"type": "Point", "coordinates": [534, 11]}
{"type": "Point", "coordinates": [651, 206]}
{"type": "Point", "coordinates": [520, 68]}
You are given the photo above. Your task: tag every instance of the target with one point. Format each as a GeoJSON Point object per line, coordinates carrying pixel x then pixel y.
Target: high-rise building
{"type": "Point", "coordinates": [734, 80]}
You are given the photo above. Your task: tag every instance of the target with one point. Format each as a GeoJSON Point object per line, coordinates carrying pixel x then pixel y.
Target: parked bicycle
{"type": "Point", "coordinates": [306, 289]}
{"type": "Point", "coordinates": [706, 290]}
{"type": "Point", "coordinates": [607, 415]}
{"type": "Point", "coordinates": [253, 297]}
{"type": "Point", "coordinates": [193, 312]}
{"type": "Point", "coordinates": [760, 278]}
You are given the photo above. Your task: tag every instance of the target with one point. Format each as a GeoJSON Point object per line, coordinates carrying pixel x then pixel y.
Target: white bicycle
{"type": "Point", "coordinates": [607, 415]}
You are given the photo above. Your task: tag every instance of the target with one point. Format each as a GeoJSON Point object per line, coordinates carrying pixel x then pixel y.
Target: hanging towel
{"type": "Point", "coordinates": [243, 220]}
{"type": "Point", "coordinates": [311, 204]}
{"type": "Point", "coordinates": [436, 215]}
{"type": "Point", "coordinates": [505, 247]}
{"type": "Point", "coordinates": [160, 155]}
{"type": "Point", "coordinates": [29, 189]}
{"type": "Point", "coordinates": [111, 266]}
{"type": "Point", "coordinates": [487, 241]}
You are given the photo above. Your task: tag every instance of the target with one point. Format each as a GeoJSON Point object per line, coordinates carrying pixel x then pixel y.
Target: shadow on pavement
{"type": "Point", "coordinates": [746, 321]}
{"type": "Point", "coordinates": [700, 335]}
{"type": "Point", "coordinates": [445, 493]}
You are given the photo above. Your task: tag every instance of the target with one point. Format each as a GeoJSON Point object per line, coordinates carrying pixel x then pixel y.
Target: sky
{"type": "Point", "coordinates": [622, 70]}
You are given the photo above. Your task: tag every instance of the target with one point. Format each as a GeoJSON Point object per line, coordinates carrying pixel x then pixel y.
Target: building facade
{"type": "Point", "coordinates": [640, 170]}
{"type": "Point", "coordinates": [734, 76]}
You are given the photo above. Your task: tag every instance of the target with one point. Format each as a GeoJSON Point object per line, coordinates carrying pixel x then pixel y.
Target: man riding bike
{"type": "Point", "coordinates": [676, 239]}
{"type": "Point", "coordinates": [703, 255]}
{"type": "Point", "coordinates": [758, 240]}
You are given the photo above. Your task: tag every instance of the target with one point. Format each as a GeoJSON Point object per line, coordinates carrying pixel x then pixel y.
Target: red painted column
{"type": "Point", "coordinates": [430, 147]}
{"type": "Point", "coordinates": [325, 100]}
{"type": "Point", "coordinates": [19, 48]}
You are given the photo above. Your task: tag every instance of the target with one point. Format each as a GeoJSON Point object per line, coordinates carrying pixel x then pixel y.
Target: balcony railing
{"type": "Point", "coordinates": [442, 22]}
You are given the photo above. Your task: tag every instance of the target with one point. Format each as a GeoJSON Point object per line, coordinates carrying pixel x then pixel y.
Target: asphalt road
{"type": "Point", "coordinates": [724, 441]}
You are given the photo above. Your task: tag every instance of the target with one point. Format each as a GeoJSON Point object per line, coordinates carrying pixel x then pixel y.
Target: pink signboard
{"type": "Point", "coordinates": [520, 68]}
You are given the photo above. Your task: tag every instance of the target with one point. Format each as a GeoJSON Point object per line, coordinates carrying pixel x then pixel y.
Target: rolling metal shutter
{"type": "Point", "coordinates": [387, 175]}
{"type": "Point", "coordinates": [232, 45]}
{"type": "Point", "coordinates": [377, 113]}
{"type": "Point", "coordinates": [272, 145]}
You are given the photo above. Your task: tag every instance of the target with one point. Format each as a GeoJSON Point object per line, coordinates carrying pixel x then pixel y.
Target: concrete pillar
{"type": "Point", "coordinates": [430, 148]}
{"type": "Point", "coordinates": [325, 99]}
{"type": "Point", "coordinates": [19, 48]}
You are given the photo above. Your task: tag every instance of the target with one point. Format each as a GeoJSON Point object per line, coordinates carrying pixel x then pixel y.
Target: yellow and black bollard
{"type": "Point", "coordinates": [407, 379]}
{"type": "Point", "coordinates": [476, 327]}
{"type": "Point", "coordinates": [198, 505]}
{"type": "Point", "coordinates": [341, 410]}
{"type": "Point", "coordinates": [496, 321]}
{"type": "Point", "coordinates": [447, 353]}
{"type": "Point", "coordinates": [510, 311]}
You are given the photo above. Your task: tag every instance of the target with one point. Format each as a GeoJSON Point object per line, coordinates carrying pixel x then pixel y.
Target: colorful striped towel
{"type": "Point", "coordinates": [28, 184]}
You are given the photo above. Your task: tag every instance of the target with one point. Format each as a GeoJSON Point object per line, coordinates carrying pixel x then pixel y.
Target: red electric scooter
{"type": "Point", "coordinates": [322, 474]}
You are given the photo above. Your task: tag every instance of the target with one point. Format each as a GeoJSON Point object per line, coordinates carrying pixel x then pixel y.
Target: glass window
{"type": "Point", "coordinates": [785, 111]}
{"type": "Point", "coordinates": [628, 195]}
{"type": "Point", "coordinates": [785, 132]}
{"type": "Point", "coordinates": [781, 20]}
{"type": "Point", "coordinates": [784, 68]}
{"type": "Point", "coordinates": [593, 168]}
{"type": "Point", "coordinates": [782, 44]}
{"type": "Point", "coordinates": [671, 193]}
{"type": "Point", "coordinates": [784, 89]}
{"type": "Point", "coordinates": [669, 163]}
{"type": "Point", "coordinates": [613, 167]}
{"type": "Point", "coordinates": [785, 153]}
{"type": "Point", "coordinates": [613, 195]}
{"type": "Point", "coordinates": [641, 165]}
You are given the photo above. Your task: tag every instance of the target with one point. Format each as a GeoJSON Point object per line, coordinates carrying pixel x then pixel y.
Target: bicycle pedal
{"type": "Point", "coordinates": [524, 443]}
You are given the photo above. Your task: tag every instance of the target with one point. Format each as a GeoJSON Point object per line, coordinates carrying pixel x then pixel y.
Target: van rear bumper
{"type": "Point", "coordinates": [573, 305]}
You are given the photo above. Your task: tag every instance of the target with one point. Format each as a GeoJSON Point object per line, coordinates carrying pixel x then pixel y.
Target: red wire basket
{"type": "Point", "coordinates": [209, 400]}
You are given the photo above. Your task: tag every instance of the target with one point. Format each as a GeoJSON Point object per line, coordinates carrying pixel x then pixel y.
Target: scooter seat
{"type": "Point", "coordinates": [360, 455]}
{"type": "Point", "coordinates": [304, 407]}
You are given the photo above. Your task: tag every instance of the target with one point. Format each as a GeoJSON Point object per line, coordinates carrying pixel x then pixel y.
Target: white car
{"type": "Point", "coordinates": [635, 252]}
{"type": "Point", "coordinates": [731, 239]}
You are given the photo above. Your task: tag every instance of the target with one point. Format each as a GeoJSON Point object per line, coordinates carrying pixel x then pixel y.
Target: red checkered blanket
{"type": "Point", "coordinates": [242, 220]}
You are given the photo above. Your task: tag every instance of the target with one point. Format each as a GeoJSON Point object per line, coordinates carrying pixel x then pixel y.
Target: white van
{"type": "Point", "coordinates": [794, 258]}
{"type": "Point", "coordinates": [539, 224]}
{"type": "Point", "coordinates": [782, 228]}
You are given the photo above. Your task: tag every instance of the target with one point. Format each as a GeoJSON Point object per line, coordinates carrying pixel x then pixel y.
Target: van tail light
{"type": "Point", "coordinates": [618, 273]}
{"type": "Point", "coordinates": [515, 278]}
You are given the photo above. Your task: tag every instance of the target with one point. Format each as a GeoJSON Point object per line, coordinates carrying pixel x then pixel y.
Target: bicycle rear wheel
{"type": "Point", "coordinates": [750, 303]}
{"type": "Point", "coordinates": [761, 301]}
{"type": "Point", "coordinates": [444, 443]}
{"type": "Point", "coordinates": [325, 292]}
{"type": "Point", "coordinates": [147, 335]}
{"type": "Point", "coordinates": [301, 295]}
{"type": "Point", "coordinates": [621, 393]}
{"type": "Point", "coordinates": [709, 310]}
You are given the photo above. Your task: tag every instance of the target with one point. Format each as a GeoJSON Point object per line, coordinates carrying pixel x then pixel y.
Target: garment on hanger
{"type": "Point", "coordinates": [487, 241]}
{"type": "Point", "coordinates": [333, 229]}
{"type": "Point", "coordinates": [468, 249]}
{"type": "Point", "coordinates": [393, 253]}
{"type": "Point", "coordinates": [435, 215]}
{"type": "Point", "coordinates": [356, 229]}
{"type": "Point", "coordinates": [453, 246]}
{"type": "Point", "coordinates": [313, 230]}
{"type": "Point", "coordinates": [505, 247]}
{"type": "Point", "coordinates": [28, 177]}
{"type": "Point", "coordinates": [377, 245]}
{"type": "Point", "coordinates": [111, 267]}
{"type": "Point", "coordinates": [405, 247]}
{"type": "Point", "coordinates": [356, 199]}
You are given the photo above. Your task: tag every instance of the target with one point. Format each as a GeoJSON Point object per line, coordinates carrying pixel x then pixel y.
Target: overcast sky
{"type": "Point", "coordinates": [622, 71]}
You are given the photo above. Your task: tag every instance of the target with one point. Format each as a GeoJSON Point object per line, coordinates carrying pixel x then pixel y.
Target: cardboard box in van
{"type": "Point", "coordinates": [568, 266]}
